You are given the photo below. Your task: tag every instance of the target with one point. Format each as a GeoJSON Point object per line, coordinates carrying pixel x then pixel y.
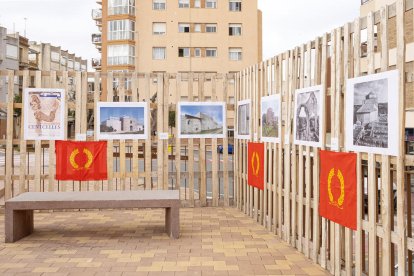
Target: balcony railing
{"type": "Point", "coordinates": [97, 38]}
{"type": "Point", "coordinates": [96, 63]}
{"type": "Point", "coordinates": [97, 14]}
{"type": "Point", "coordinates": [363, 2]}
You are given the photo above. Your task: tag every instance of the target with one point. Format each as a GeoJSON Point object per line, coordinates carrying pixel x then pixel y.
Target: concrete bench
{"type": "Point", "coordinates": [19, 210]}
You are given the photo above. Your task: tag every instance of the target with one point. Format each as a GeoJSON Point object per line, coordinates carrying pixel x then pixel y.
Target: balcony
{"type": "Point", "coordinates": [97, 39]}
{"type": "Point", "coordinates": [363, 2]}
{"type": "Point", "coordinates": [96, 64]}
{"type": "Point", "coordinates": [97, 14]}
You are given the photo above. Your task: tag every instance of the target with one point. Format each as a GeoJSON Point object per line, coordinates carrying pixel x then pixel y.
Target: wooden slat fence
{"type": "Point", "coordinates": [194, 166]}
{"type": "Point", "coordinates": [288, 206]}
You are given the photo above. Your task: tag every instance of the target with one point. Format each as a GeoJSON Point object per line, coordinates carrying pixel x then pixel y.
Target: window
{"type": "Point", "coordinates": [70, 64]}
{"type": "Point", "coordinates": [183, 3]}
{"type": "Point", "coordinates": [197, 28]}
{"type": "Point", "coordinates": [121, 54]}
{"type": "Point", "coordinates": [12, 51]}
{"type": "Point", "coordinates": [158, 4]}
{"type": "Point", "coordinates": [211, 4]}
{"type": "Point", "coordinates": [183, 28]}
{"type": "Point", "coordinates": [235, 5]}
{"type": "Point", "coordinates": [197, 3]}
{"type": "Point", "coordinates": [211, 28]}
{"type": "Point", "coordinates": [63, 61]}
{"type": "Point", "coordinates": [158, 53]}
{"type": "Point", "coordinates": [235, 54]}
{"type": "Point", "coordinates": [235, 29]}
{"type": "Point", "coordinates": [197, 52]}
{"type": "Point", "coordinates": [121, 7]}
{"type": "Point", "coordinates": [77, 66]}
{"type": "Point", "coordinates": [183, 52]}
{"type": "Point", "coordinates": [159, 28]}
{"type": "Point", "coordinates": [121, 30]}
{"type": "Point", "coordinates": [211, 52]}
{"type": "Point", "coordinates": [55, 56]}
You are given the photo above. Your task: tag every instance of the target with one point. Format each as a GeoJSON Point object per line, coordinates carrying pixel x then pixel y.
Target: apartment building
{"type": "Point", "coordinates": [216, 36]}
{"type": "Point", "coordinates": [376, 5]}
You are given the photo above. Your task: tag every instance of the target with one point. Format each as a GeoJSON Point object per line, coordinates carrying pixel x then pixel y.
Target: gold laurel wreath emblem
{"type": "Point", "coordinates": [340, 202]}
{"type": "Point", "coordinates": [88, 163]}
{"type": "Point", "coordinates": [255, 163]}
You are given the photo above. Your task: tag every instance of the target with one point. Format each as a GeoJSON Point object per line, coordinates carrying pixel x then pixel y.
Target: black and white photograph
{"type": "Point", "coordinates": [122, 120]}
{"type": "Point", "coordinates": [243, 119]}
{"type": "Point", "coordinates": [201, 120]}
{"type": "Point", "coordinates": [308, 116]}
{"type": "Point", "coordinates": [372, 113]}
{"type": "Point", "coordinates": [270, 118]}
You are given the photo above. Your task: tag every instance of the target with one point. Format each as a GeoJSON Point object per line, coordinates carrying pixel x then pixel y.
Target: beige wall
{"type": "Point", "coordinates": [374, 5]}
{"type": "Point", "coordinates": [250, 42]}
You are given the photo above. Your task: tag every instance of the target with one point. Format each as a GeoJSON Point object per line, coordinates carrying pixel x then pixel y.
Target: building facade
{"type": "Point", "coordinates": [172, 36]}
{"type": "Point", "coordinates": [368, 6]}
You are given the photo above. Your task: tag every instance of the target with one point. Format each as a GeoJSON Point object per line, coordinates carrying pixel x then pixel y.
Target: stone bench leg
{"type": "Point", "coordinates": [172, 222]}
{"type": "Point", "coordinates": [18, 224]}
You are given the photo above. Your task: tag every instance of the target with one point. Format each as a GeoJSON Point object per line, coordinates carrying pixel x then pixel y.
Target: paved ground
{"type": "Point", "coordinates": [214, 241]}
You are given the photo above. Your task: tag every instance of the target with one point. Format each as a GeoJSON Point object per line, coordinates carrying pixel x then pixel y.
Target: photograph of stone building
{"type": "Point", "coordinates": [270, 118]}
{"type": "Point", "coordinates": [205, 120]}
{"type": "Point", "coordinates": [308, 116]}
{"type": "Point", "coordinates": [122, 120]}
{"type": "Point", "coordinates": [370, 98]}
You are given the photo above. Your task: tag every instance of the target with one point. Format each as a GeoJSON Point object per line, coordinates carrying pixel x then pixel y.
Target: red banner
{"type": "Point", "coordinates": [338, 189]}
{"type": "Point", "coordinates": [81, 160]}
{"type": "Point", "coordinates": [255, 174]}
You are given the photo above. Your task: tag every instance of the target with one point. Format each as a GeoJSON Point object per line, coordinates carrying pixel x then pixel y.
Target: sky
{"type": "Point", "coordinates": [68, 23]}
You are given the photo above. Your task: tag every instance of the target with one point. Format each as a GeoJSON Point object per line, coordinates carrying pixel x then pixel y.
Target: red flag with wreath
{"type": "Point", "coordinates": [81, 161]}
{"type": "Point", "coordinates": [255, 173]}
{"type": "Point", "coordinates": [338, 189]}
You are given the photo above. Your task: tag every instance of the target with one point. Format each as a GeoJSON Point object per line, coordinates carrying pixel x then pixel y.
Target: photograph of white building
{"type": "Point", "coordinates": [122, 121]}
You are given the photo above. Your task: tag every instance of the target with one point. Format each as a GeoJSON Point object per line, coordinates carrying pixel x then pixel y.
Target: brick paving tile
{"type": "Point", "coordinates": [214, 241]}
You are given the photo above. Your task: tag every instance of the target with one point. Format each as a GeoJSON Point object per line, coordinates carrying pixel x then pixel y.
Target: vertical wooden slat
{"type": "Point", "coordinates": [401, 222]}
{"type": "Point", "coordinates": [308, 169]}
{"type": "Point", "coordinates": [122, 147]}
{"type": "Point", "coordinates": [280, 178]}
{"type": "Point", "coordinates": [96, 99]}
{"type": "Point", "coordinates": [135, 143]}
{"type": "Point", "coordinates": [148, 157]}
{"type": "Point", "coordinates": [177, 140]}
{"type": "Point", "coordinates": [359, 258]}
{"type": "Point", "coordinates": [165, 143]}
{"type": "Point", "coordinates": [38, 144]}
{"type": "Point", "coordinates": [160, 126]}
{"type": "Point", "coordinates": [8, 189]}
{"type": "Point", "coordinates": [110, 144]}
{"type": "Point", "coordinates": [202, 180]}
{"type": "Point", "coordinates": [348, 232]}
{"type": "Point", "coordinates": [324, 228]}
{"type": "Point", "coordinates": [372, 175]}
{"type": "Point", "coordinates": [52, 155]}
{"type": "Point", "coordinates": [290, 91]}
{"type": "Point", "coordinates": [23, 183]}
{"type": "Point", "coordinates": [190, 147]}
{"type": "Point", "coordinates": [214, 156]}
{"type": "Point", "coordinates": [65, 76]}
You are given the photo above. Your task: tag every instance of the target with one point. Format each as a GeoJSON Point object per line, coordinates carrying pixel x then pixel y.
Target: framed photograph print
{"type": "Point", "coordinates": [244, 113]}
{"type": "Point", "coordinates": [271, 118]}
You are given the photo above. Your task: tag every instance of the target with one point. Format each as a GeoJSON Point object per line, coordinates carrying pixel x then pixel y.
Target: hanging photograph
{"type": "Point", "coordinates": [201, 120]}
{"type": "Point", "coordinates": [44, 111]}
{"type": "Point", "coordinates": [243, 119]}
{"type": "Point", "coordinates": [372, 105]}
{"type": "Point", "coordinates": [270, 119]}
{"type": "Point", "coordinates": [307, 123]}
{"type": "Point", "coordinates": [122, 120]}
